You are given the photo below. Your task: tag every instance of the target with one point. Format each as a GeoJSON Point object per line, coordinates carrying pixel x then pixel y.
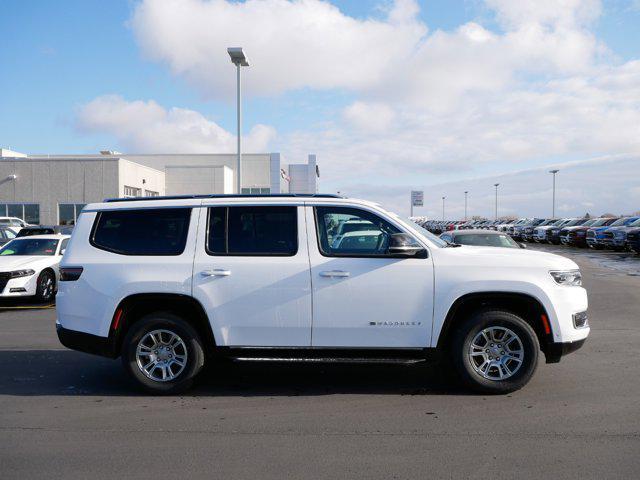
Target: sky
{"type": "Point", "coordinates": [436, 95]}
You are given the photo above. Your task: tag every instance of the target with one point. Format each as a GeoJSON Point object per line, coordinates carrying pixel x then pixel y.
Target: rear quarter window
{"type": "Point", "coordinates": [149, 231]}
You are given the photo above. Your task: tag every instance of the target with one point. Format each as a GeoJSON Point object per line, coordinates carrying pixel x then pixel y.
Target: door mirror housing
{"type": "Point", "coordinates": [404, 245]}
{"type": "Point", "coordinates": [62, 251]}
{"type": "Point", "coordinates": [522, 245]}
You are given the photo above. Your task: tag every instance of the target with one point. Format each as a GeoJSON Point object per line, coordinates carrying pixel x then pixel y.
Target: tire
{"type": "Point", "coordinates": [468, 367]}
{"type": "Point", "coordinates": [167, 376]}
{"type": "Point", "coordinates": [46, 286]}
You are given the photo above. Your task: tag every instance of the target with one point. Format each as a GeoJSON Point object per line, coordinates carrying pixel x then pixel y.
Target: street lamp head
{"type": "Point", "coordinates": [237, 56]}
{"type": "Point", "coordinates": [554, 171]}
{"type": "Point", "coordinates": [496, 184]}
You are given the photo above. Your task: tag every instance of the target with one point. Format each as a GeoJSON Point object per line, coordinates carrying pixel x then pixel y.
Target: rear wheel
{"type": "Point", "coordinates": [46, 286]}
{"type": "Point", "coordinates": [495, 352]}
{"type": "Point", "coordinates": [163, 353]}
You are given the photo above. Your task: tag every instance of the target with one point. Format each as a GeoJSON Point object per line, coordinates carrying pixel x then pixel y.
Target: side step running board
{"type": "Point", "coordinates": [359, 360]}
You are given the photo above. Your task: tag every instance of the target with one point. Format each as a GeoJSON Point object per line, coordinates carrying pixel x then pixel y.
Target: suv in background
{"type": "Point", "coordinates": [170, 284]}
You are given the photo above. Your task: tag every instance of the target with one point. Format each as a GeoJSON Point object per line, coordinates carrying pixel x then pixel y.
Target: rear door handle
{"type": "Point", "coordinates": [216, 272]}
{"type": "Point", "coordinates": [335, 273]}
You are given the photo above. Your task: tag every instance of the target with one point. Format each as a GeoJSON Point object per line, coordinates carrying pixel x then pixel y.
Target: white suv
{"type": "Point", "coordinates": [171, 284]}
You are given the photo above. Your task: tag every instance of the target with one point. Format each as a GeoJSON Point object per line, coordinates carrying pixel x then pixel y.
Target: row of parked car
{"type": "Point", "coordinates": [616, 233]}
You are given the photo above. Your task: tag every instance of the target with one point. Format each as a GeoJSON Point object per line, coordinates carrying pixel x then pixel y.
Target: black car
{"type": "Point", "coordinates": [45, 230]}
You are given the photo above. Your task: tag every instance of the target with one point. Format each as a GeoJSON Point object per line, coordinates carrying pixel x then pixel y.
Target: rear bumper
{"type": "Point", "coordinates": [85, 342]}
{"type": "Point", "coordinates": [555, 351]}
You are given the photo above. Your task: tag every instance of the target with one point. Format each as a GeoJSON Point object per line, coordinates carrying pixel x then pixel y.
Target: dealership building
{"type": "Point", "coordinates": [52, 189]}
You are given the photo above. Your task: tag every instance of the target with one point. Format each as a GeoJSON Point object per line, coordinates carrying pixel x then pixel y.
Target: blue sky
{"type": "Point", "coordinates": [60, 58]}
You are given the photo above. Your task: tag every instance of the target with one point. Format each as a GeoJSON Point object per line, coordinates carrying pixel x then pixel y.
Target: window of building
{"type": "Point", "coordinates": [260, 231]}
{"type": "Point", "coordinates": [256, 191]}
{"type": "Point", "coordinates": [151, 193]}
{"type": "Point", "coordinates": [149, 231]}
{"type": "Point", "coordinates": [352, 232]}
{"type": "Point", "coordinates": [132, 191]}
{"type": "Point", "coordinates": [68, 213]}
{"type": "Point", "coordinates": [29, 212]}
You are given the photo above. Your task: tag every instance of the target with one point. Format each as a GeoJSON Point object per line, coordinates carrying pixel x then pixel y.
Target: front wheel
{"type": "Point", "coordinates": [163, 353]}
{"type": "Point", "coordinates": [46, 286]}
{"type": "Point", "coordinates": [495, 352]}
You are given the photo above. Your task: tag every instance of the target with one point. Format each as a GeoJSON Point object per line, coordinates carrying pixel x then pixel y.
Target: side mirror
{"type": "Point", "coordinates": [522, 245]}
{"type": "Point", "coordinates": [62, 251]}
{"type": "Point", "coordinates": [405, 245]}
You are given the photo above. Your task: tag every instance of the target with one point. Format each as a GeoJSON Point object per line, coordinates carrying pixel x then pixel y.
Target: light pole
{"type": "Point", "coordinates": [553, 207]}
{"type": "Point", "coordinates": [239, 59]}
{"type": "Point", "coordinates": [443, 208]}
{"type": "Point", "coordinates": [466, 192]}
{"type": "Point", "coordinates": [496, 185]}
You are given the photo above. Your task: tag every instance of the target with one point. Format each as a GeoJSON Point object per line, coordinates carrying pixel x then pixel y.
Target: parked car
{"type": "Point", "coordinates": [595, 234]}
{"type": "Point", "coordinates": [543, 233]}
{"type": "Point", "coordinates": [528, 233]}
{"type": "Point", "coordinates": [14, 223]}
{"type": "Point", "coordinates": [45, 230]}
{"type": "Point", "coordinates": [170, 284]}
{"type": "Point", "coordinates": [29, 266]}
{"type": "Point", "coordinates": [633, 239]}
{"type": "Point", "coordinates": [523, 231]}
{"type": "Point", "coordinates": [577, 235]}
{"type": "Point", "coordinates": [478, 238]}
{"type": "Point", "coordinates": [616, 237]}
{"type": "Point", "coordinates": [6, 234]}
{"type": "Point", "coordinates": [566, 237]}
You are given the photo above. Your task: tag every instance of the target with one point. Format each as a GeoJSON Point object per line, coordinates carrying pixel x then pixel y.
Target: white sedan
{"type": "Point", "coordinates": [29, 266]}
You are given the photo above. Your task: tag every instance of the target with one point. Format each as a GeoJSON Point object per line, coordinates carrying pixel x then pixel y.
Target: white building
{"type": "Point", "coordinates": [52, 189]}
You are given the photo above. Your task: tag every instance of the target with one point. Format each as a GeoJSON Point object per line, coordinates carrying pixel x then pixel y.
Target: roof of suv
{"type": "Point", "coordinates": [187, 197]}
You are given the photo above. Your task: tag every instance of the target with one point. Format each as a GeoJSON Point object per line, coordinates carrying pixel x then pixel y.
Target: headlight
{"type": "Point", "coordinates": [22, 273]}
{"type": "Point", "coordinates": [568, 277]}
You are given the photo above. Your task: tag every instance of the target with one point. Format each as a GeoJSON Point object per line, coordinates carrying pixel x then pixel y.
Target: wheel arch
{"type": "Point", "coordinates": [133, 307]}
{"type": "Point", "coordinates": [526, 306]}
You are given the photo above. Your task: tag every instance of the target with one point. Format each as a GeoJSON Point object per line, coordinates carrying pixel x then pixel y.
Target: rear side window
{"type": "Point", "coordinates": [149, 231]}
{"type": "Point", "coordinates": [258, 231]}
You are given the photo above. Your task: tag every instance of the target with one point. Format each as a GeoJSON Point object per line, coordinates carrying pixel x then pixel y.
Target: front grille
{"type": "Point", "coordinates": [4, 278]}
{"type": "Point", "coordinates": [632, 237]}
{"type": "Point", "coordinates": [608, 235]}
{"type": "Point", "coordinates": [591, 234]}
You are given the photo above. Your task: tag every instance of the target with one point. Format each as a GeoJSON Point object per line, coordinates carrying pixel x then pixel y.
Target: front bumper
{"type": "Point", "coordinates": [85, 342]}
{"type": "Point", "coordinates": [555, 351]}
{"type": "Point", "coordinates": [21, 286]}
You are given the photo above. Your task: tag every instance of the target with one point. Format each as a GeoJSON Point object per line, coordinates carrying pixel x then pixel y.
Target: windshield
{"type": "Point", "coordinates": [548, 222]}
{"type": "Point", "coordinates": [575, 222]}
{"type": "Point", "coordinates": [600, 222]}
{"type": "Point", "coordinates": [635, 224]}
{"type": "Point", "coordinates": [619, 222]}
{"type": "Point", "coordinates": [486, 240]}
{"type": "Point", "coordinates": [30, 246]}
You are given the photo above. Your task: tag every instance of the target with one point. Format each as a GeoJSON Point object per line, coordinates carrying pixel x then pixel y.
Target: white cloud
{"type": "Point", "coordinates": [291, 45]}
{"type": "Point", "coordinates": [148, 127]}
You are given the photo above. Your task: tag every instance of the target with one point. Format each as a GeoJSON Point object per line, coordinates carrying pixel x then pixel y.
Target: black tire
{"type": "Point", "coordinates": [46, 286]}
{"type": "Point", "coordinates": [464, 336]}
{"type": "Point", "coordinates": [195, 357]}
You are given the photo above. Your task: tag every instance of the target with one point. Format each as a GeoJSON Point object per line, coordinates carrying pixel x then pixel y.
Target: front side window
{"type": "Point", "coordinates": [345, 231]}
{"type": "Point", "coordinates": [258, 231]}
{"type": "Point", "coordinates": [30, 246]}
{"type": "Point", "coordinates": [149, 231]}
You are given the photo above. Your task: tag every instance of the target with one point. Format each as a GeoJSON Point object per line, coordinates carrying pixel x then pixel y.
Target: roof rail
{"type": "Point", "coordinates": [187, 197]}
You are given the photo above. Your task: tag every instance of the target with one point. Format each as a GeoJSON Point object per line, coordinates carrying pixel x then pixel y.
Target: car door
{"type": "Point", "coordinates": [362, 295]}
{"type": "Point", "coordinates": [251, 274]}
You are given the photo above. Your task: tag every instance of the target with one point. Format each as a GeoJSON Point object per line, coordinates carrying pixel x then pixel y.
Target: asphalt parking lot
{"type": "Point", "coordinates": [64, 414]}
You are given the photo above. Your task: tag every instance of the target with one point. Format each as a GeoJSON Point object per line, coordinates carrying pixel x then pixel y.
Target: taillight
{"type": "Point", "coordinates": [70, 274]}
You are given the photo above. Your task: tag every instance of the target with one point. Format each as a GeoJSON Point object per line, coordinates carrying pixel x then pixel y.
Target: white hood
{"type": "Point", "coordinates": [10, 263]}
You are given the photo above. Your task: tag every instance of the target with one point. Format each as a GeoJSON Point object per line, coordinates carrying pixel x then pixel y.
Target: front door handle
{"type": "Point", "coordinates": [216, 272]}
{"type": "Point", "coordinates": [335, 273]}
